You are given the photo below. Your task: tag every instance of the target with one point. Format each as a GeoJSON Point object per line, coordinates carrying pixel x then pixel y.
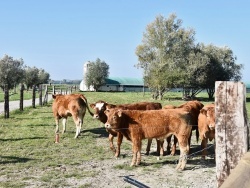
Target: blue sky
{"type": "Point", "coordinates": [60, 35]}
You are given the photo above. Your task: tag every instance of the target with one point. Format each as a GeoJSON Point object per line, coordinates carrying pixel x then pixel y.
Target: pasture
{"type": "Point", "coordinates": [31, 158]}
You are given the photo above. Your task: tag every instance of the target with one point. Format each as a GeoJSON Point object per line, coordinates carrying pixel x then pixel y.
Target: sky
{"type": "Point", "coordinates": [59, 36]}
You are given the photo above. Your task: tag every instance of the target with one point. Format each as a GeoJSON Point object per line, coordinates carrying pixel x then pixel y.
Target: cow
{"type": "Point", "coordinates": [193, 107]}
{"type": "Point", "coordinates": [136, 125]}
{"type": "Point", "coordinates": [206, 126]}
{"type": "Point", "coordinates": [100, 106]}
{"type": "Point", "coordinates": [70, 105]}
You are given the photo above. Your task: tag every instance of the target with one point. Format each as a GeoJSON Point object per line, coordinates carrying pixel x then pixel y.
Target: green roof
{"type": "Point", "coordinates": [247, 85]}
{"type": "Point", "coordinates": [124, 81]}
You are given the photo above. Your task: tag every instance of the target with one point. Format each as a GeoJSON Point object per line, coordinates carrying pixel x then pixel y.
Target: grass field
{"type": "Point", "coordinates": [30, 158]}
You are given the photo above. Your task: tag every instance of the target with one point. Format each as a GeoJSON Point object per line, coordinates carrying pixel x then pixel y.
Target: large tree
{"type": "Point", "coordinates": [162, 54]}
{"type": "Point", "coordinates": [96, 74]}
{"type": "Point", "coordinates": [11, 71]}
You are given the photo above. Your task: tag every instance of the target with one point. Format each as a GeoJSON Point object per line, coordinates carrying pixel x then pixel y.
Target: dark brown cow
{"type": "Point", "coordinates": [193, 107]}
{"type": "Point", "coordinates": [69, 105]}
{"type": "Point", "coordinates": [136, 125]}
{"type": "Point", "coordinates": [206, 125]}
{"type": "Point", "coordinates": [99, 108]}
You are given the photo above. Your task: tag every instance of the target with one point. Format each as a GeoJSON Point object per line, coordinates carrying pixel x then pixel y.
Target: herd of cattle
{"type": "Point", "coordinates": [143, 120]}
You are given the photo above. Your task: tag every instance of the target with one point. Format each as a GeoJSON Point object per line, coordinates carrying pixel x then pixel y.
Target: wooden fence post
{"type": "Point", "coordinates": [54, 90]}
{"type": "Point", "coordinates": [21, 97]}
{"type": "Point", "coordinates": [34, 96]}
{"type": "Point", "coordinates": [6, 102]}
{"type": "Point", "coordinates": [45, 100]}
{"type": "Point", "coordinates": [231, 133]}
{"type": "Point", "coordinates": [40, 94]}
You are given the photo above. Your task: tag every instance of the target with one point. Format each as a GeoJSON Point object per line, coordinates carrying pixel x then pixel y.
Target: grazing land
{"type": "Point", "coordinates": [30, 157]}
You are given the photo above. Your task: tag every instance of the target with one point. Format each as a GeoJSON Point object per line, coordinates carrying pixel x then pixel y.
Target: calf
{"type": "Point", "coordinates": [136, 125]}
{"type": "Point", "coordinates": [69, 105]}
{"type": "Point", "coordinates": [193, 107]}
{"type": "Point", "coordinates": [206, 126]}
{"type": "Point", "coordinates": [100, 106]}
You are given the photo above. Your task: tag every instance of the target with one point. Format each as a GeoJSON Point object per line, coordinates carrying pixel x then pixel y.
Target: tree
{"type": "Point", "coordinates": [43, 76]}
{"type": "Point", "coordinates": [31, 76]}
{"type": "Point", "coordinates": [220, 67]}
{"type": "Point", "coordinates": [11, 71]}
{"type": "Point", "coordinates": [162, 54]}
{"type": "Point", "coordinates": [96, 74]}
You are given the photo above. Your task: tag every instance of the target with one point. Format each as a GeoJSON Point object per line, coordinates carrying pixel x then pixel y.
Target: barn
{"type": "Point", "coordinates": [247, 87]}
{"type": "Point", "coordinates": [122, 84]}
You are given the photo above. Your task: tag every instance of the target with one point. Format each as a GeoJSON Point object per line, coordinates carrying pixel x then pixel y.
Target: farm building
{"type": "Point", "coordinates": [116, 83]}
{"type": "Point", "coordinates": [247, 87]}
{"type": "Point", "coordinates": [119, 84]}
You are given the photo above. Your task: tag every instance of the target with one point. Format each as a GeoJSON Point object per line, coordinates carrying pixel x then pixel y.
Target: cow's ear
{"type": "Point", "coordinates": [92, 105]}
{"type": "Point", "coordinates": [54, 96]}
{"type": "Point", "coordinates": [119, 113]}
{"type": "Point", "coordinates": [203, 111]}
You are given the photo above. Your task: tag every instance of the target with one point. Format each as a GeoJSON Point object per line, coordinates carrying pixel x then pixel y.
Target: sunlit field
{"type": "Point", "coordinates": [30, 158]}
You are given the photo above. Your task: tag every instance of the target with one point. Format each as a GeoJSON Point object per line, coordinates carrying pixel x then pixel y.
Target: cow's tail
{"type": "Point", "coordinates": [86, 102]}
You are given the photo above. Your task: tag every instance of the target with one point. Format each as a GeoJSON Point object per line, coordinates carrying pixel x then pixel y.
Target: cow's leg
{"type": "Point", "coordinates": [169, 144]}
{"type": "Point", "coordinates": [111, 145]}
{"type": "Point", "coordinates": [78, 125]}
{"type": "Point", "coordinates": [173, 150]}
{"type": "Point", "coordinates": [203, 146]}
{"type": "Point", "coordinates": [160, 149]}
{"type": "Point", "coordinates": [119, 142]}
{"type": "Point", "coordinates": [57, 125]}
{"type": "Point", "coordinates": [64, 121]}
{"type": "Point", "coordinates": [184, 150]}
{"type": "Point", "coordinates": [136, 160]}
{"type": "Point", "coordinates": [148, 146]}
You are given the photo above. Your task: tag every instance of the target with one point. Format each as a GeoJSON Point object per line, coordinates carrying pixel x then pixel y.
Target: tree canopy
{"type": "Point", "coordinates": [96, 74]}
{"type": "Point", "coordinates": [11, 71]}
{"type": "Point", "coordinates": [170, 58]}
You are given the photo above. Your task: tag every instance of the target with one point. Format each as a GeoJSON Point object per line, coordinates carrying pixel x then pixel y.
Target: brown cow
{"type": "Point", "coordinates": [99, 108]}
{"type": "Point", "coordinates": [193, 107]}
{"type": "Point", "coordinates": [69, 105]}
{"type": "Point", "coordinates": [136, 125]}
{"type": "Point", "coordinates": [206, 126]}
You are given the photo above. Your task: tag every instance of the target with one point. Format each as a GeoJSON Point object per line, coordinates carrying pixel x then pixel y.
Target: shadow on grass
{"type": "Point", "coordinates": [18, 139]}
{"type": "Point", "coordinates": [101, 131]}
{"type": "Point", "coordinates": [247, 99]}
{"type": "Point", "coordinates": [12, 159]}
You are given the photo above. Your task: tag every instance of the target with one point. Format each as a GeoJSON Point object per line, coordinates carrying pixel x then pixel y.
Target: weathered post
{"type": "Point", "coordinates": [45, 100]}
{"type": "Point", "coordinates": [6, 102]}
{"type": "Point", "coordinates": [21, 97]}
{"type": "Point", "coordinates": [231, 127]}
{"type": "Point", "coordinates": [40, 94]}
{"type": "Point", "coordinates": [34, 96]}
{"type": "Point", "coordinates": [54, 90]}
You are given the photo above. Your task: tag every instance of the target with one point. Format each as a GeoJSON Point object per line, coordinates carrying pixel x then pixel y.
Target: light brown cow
{"type": "Point", "coordinates": [69, 105]}
{"type": "Point", "coordinates": [136, 125]}
{"type": "Point", "coordinates": [206, 125]}
{"type": "Point", "coordinates": [100, 106]}
{"type": "Point", "coordinates": [193, 107]}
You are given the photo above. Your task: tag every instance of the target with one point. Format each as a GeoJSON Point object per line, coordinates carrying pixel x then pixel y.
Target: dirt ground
{"type": "Point", "coordinates": [151, 173]}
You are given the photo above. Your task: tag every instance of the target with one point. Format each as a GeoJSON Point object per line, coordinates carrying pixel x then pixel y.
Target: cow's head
{"type": "Point", "coordinates": [113, 118]}
{"type": "Point", "coordinates": [99, 108]}
{"type": "Point", "coordinates": [209, 112]}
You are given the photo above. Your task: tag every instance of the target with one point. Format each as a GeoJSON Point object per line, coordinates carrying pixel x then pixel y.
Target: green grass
{"type": "Point", "coordinates": [29, 154]}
